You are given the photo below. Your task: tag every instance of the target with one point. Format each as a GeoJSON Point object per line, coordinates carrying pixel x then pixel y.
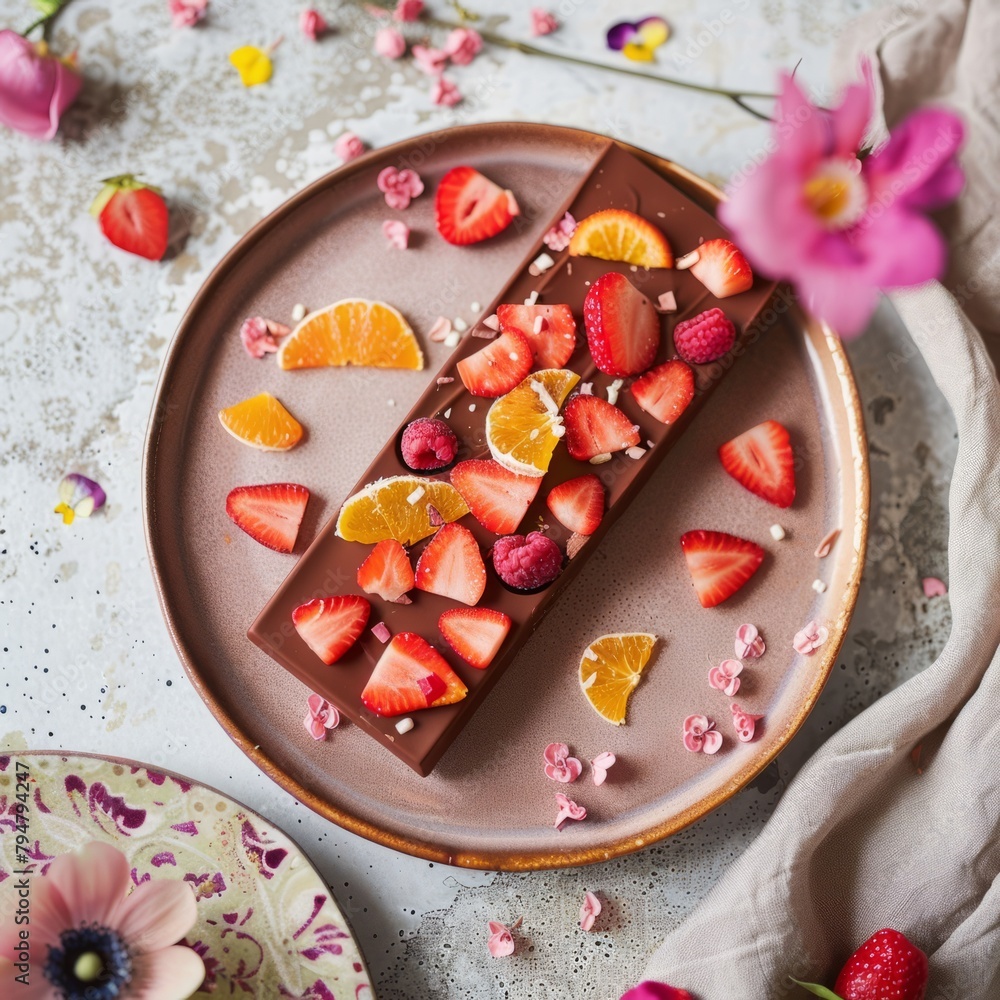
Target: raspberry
{"type": "Point", "coordinates": [527, 562]}
{"type": "Point", "coordinates": [428, 443]}
{"type": "Point", "coordinates": [705, 337]}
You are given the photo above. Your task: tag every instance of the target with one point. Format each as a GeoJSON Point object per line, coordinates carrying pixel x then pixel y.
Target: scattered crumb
{"type": "Point", "coordinates": [635, 452]}
{"type": "Point", "coordinates": [559, 430]}
{"type": "Point", "coordinates": [575, 543]}
{"type": "Point", "coordinates": [475, 307]}
{"type": "Point", "coordinates": [543, 262]}
{"type": "Point", "coordinates": [390, 402]}
{"type": "Point", "coordinates": [447, 413]}
{"type": "Point", "coordinates": [667, 302]}
{"type": "Point", "coordinates": [826, 545]}
{"type": "Point", "coordinates": [586, 388]}
{"type": "Point", "coordinates": [661, 215]}
{"type": "Point", "coordinates": [633, 267]}
{"type": "Point", "coordinates": [381, 632]}
{"type": "Point", "coordinates": [532, 298]}
{"type": "Point", "coordinates": [819, 586]}
{"type": "Point", "coordinates": [459, 324]}
{"type": "Point", "coordinates": [614, 389]}
{"type": "Point", "coordinates": [650, 443]}
{"type": "Point", "coordinates": [404, 726]}
{"type": "Point", "coordinates": [539, 325]}
{"type": "Point", "coordinates": [444, 379]}
{"type": "Point", "coordinates": [492, 321]}
{"type": "Point", "coordinates": [777, 532]}
{"type": "Point", "coordinates": [601, 459]}
{"type": "Point", "coordinates": [569, 267]}
{"type": "Point", "coordinates": [415, 495]}
{"type": "Point", "coordinates": [472, 407]}
{"type": "Point", "coordinates": [439, 330]}
{"type": "Point", "coordinates": [298, 312]}
{"type": "Point", "coordinates": [452, 339]}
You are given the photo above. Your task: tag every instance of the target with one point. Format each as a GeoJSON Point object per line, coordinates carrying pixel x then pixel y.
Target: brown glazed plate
{"type": "Point", "coordinates": [488, 804]}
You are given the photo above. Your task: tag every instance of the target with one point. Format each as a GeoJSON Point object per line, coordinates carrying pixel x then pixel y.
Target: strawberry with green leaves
{"type": "Point", "coordinates": [133, 216]}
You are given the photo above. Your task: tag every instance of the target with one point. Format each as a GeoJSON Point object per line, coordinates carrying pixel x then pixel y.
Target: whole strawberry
{"type": "Point", "coordinates": [133, 216]}
{"type": "Point", "coordinates": [886, 967]}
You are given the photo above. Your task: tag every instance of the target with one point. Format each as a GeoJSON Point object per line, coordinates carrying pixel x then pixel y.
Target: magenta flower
{"type": "Point", "coordinates": [91, 937]}
{"type": "Point", "coordinates": [408, 10]}
{"type": "Point", "coordinates": [542, 22]}
{"type": "Point", "coordinates": [700, 735]}
{"type": "Point", "coordinates": [463, 45]}
{"type": "Point", "coordinates": [745, 723]}
{"type": "Point", "coordinates": [500, 943]}
{"type": "Point", "coordinates": [445, 93]}
{"type": "Point", "coordinates": [589, 911]}
{"type": "Point", "coordinates": [348, 146]}
{"type": "Point", "coordinates": [726, 677]}
{"type": "Point", "coordinates": [398, 235]}
{"type": "Point", "coordinates": [260, 336]}
{"type": "Point", "coordinates": [400, 187]}
{"type": "Point", "coordinates": [430, 61]}
{"type": "Point", "coordinates": [35, 87]}
{"type": "Point", "coordinates": [187, 13]}
{"type": "Point", "coordinates": [655, 991]}
{"type": "Point", "coordinates": [559, 766]}
{"type": "Point", "coordinates": [312, 24]}
{"type": "Point", "coordinates": [838, 227]}
{"type": "Point", "coordinates": [320, 716]}
{"type": "Point", "coordinates": [389, 43]}
{"type": "Point", "coordinates": [568, 809]}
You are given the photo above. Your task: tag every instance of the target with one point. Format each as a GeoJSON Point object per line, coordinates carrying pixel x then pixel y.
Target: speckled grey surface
{"type": "Point", "coordinates": [86, 661]}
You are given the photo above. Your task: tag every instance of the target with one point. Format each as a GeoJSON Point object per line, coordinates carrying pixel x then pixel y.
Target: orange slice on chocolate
{"type": "Point", "coordinates": [352, 332]}
{"type": "Point", "coordinates": [610, 670]}
{"type": "Point", "coordinates": [617, 234]}
{"type": "Point", "coordinates": [262, 422]}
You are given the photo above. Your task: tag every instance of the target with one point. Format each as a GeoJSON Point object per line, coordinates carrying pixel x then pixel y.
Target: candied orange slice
{"type": "Point", "coordinates": [524, 426]}
{"type": "Point", "coordinates": [616, 234]}
{"type": "Point", "coordinates": [398, 507]}
{"type": "Point", "coordinates": [262, 422]}
{"type": "Point", "coordinates": [610, 670]}
{"type": "Point", "coordinates": [352, 332]}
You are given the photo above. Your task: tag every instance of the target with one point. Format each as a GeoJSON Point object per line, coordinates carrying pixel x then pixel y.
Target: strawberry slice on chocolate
{"type": "Point", "coordinates": [665, 391]}
{"type": "Point", "coordinates": [623, 327]}
{"type": "Point", "coordinates": [387, 572]}
{"type": "Point", "coordinates": [497, 497]}
{"type": "Point", "coordinates": [452, 565]}
{"type": "Point", "coordinates": [578, 504]}
{"type": "Point", "coordinates": [411, 675]}
{"type": "Point", "coordinates": [761, 460]}
{"type": "Point", "coordinates": [499, 367]}
{"type": "Point", "coordinates": [476, 634]}
{"type": "Point", "coordinates": [720, 266]}
{"type": "Point", "coordinates": [330, 626]}
{"type": "Point", "coordinates": [549, 329]}
{"type": "Point", "coordinates": [719, 564]}
{"type": "Point", "coordinates": [470, 208]}
{"type": "Point", "coordinates": [595, 427]}
{"type": "Point", "coordinates": [270, 514]}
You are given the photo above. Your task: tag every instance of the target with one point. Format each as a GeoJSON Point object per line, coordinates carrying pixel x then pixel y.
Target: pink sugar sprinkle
{"type": "Point", "coordinates": [381, 632]}
{"type": "Point", "coordinates": [933, 587]}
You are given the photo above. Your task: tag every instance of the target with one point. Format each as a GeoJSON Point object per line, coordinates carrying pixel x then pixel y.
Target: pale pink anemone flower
{"type": "Point", "coordinates": [90, 940]}
{"type": "Point", "coordinates": [35, 86]}
{"type": "Point", "coordinates": [840, 226]}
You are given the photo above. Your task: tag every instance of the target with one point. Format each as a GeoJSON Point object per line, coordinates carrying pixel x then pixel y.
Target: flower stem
{"type": "Point", "coordinates": [738, 97]}
{"type": "Point", "coordinates": [49, 12]}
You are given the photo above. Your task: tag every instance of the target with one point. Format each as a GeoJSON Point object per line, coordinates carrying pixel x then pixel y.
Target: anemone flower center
{"type": "Point", "coordinates": [92, 963]}
{"type": "Point", "coordinates": [837, 193]}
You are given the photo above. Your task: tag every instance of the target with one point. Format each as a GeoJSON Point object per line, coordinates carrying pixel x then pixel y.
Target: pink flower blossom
{"type": "Point", "coordinates": [389, 43]}
{"type": "Point", "coordinates": [312, 24]}
{"type": "Point", "coordinates": [589, 912]}
{"type": "Point", "coordinates": [400, 187]}
{"type": "Point", "coordinates": [568, 809]}
{"type": "Point", "coordinates": [35, 87]}
{"type": "Point", "coordinates": [397, 233]}
{"type": "Point", "coordinates": [430, 61]}
{"type": "Point", "coordinates": [542, 22]}
{"type": "Point", "coordinates": [933, 587]}
{"type": "Point", "coordinates": [558, 237]}
{"type": "Point", "coordinates": [649, 990]}
{"type": "Point", "coordinates": [744, 723]}
{"type": "Point", "coordinates": [408, 10]}
{"type": "Point", "coordinates": [445, 93]}
{"type": "Point", "coordinates": [601, 764]}
{"type": "Point", "coordinates": [500, 943]}
{"type": "Point", "coordinates": [726, 677]}
{"type": "Point", "coordinates": [320, 716]}
{"type": "Point", "coordinates": [348, 146]}
{"type": "Point", "coordinates": [187, 13]}
{"type": "Point", "coordinates": [839, 227]}
{"type": "Point", "coordinates": [809, 638]}
{"type": "Point", "coordinates": [700, 735]}
{"type": "Point", "coordinates": [85, 923]}
{"type": "Point", "coordinates": [463, 45]}
{"type": "Point", "coordinates": [559, 766]}
{"type": "Point", "coordinates": [260, 336]}
{"type": "Point", "coordinates": [748, 644]}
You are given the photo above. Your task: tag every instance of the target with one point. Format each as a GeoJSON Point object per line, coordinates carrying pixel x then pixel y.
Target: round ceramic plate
{"type": "Point", "coordinates": [267, 925]}
{"type": "Point", "coordinates": [488, 804]}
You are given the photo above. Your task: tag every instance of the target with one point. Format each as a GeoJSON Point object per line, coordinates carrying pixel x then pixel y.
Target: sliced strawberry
{"type": "Point", "coordinates": [269, 514]}
{"type": "Point", "coordinates": [497, 497]}
{"type": "Point", "coordinates": [476, 634]}
{"type": "Point", "coordinates": [719, 564]}
{"type": "Point", "coordinates": [578, 504]}
{"type": "Point", "coordinates": [720, 266]}
{"type": "Point", "coordinates": [595, 427]}
{"type": "Point", "coordinates": [410, 675]}
{"type": "Point", "coordinates": [452, 565]}
{"type": "Point", "coordinates": [550, 330]}
{"type": "Point", "coordinates": [665, 391]}
{"type": "Point", "coordinates": [133, 216]}
{"type": "Point", "coordinates": [761, 459]}
{"type": "Point", "coordinates": [329, 626]}
{"type": "Point", "coordinates": [500, 366]}
{"type": "Point", "coordinates": [469, 207]}
{"type": "Point", "coordinates": [386, 571]}
{"type": "Point", "coordinates": [623, 327]}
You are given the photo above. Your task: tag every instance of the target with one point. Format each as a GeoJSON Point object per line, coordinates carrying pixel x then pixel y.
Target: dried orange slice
{"type": "Point", "coordinates": [524, 426]}
{"type": "Point", "coordinates": [397, 507]}
{"type": "Point", "coordinates": [352, 332]}
{"type": "Point", "coordinates": [262, 422]}
{"type": "Point", "coordinates": [610, 670]}
{"type": "Point", "coordinates": [616, 234]}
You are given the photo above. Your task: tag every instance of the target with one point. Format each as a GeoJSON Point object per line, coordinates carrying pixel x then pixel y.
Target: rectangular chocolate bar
{"type": "Point", "coordinates": [329, 566]}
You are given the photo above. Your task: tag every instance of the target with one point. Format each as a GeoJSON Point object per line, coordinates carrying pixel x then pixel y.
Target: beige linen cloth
{"type": "Point", "coordinates": [860, 840]}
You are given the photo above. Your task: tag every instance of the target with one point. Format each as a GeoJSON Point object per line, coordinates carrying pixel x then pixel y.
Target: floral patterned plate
{"type": "Point", "coordinates": [267, 924]}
